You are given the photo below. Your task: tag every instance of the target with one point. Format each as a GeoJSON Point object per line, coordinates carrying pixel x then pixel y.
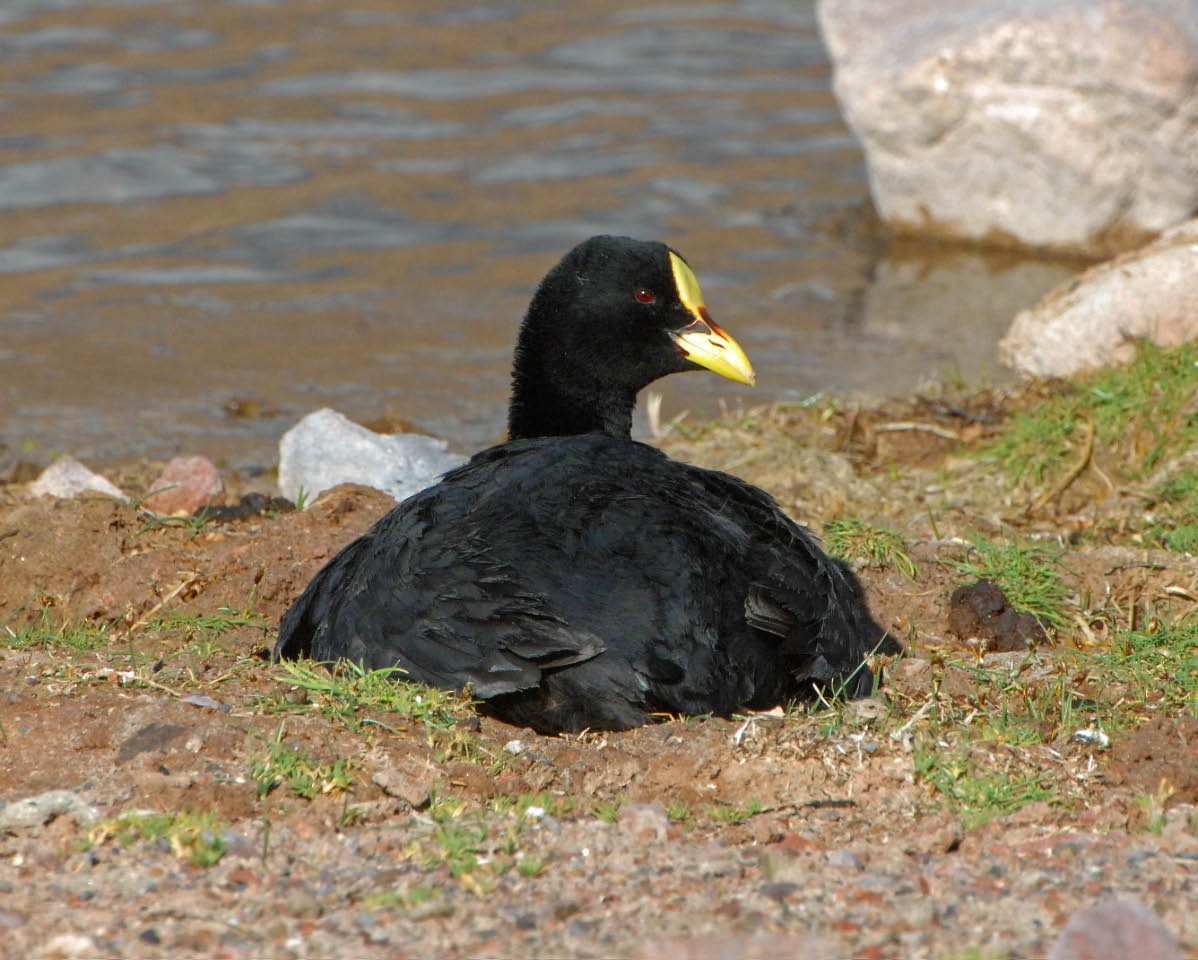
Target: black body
{"type": "Point", "coordinates": [587, 580]}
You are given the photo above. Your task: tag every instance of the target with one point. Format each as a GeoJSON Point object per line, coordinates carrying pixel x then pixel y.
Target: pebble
{"type": "Point", "coordinates": [66, 477]}
{"type": "Point", "coordinates": [734, 946]}
{"type": "Point", "coordinates": [396, 784]}
{"type": "Point", "coordinates": [10, 918]}
{"type": "Point", "coordinates": [66, 946]}
{"type": "Point", "coordinates": [646, 820]}
{"type": "Point", "coordinates": [1115, 930]}
{"type": "Point", "coordinates": [845, 860]}
{"type": "Point", "coordinates": [186, 485]}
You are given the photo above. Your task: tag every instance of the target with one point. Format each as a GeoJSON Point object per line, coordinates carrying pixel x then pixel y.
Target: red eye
{"type": "Point", "coordinates": [645, 295]}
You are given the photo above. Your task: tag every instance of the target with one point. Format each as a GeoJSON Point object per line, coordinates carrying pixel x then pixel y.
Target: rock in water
{"type": "Point", "coordinates": [1069, 124]}
{"type": "Point", "coordinates": [66, 477]}
{"type": "Point", "coordinates": [325, 449]}
{"type": "Point", "coordinates": [1095, 319]}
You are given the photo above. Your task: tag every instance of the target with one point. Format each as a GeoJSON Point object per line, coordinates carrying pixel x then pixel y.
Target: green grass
{"type": "Point", "coordinates": [855, 540]}
{"type": "Point", "coordinates": [608, 810]}
{"type": "Point", "coordinates": [733, 813]}
{"type": "Point", "coordinates": [531, 866]}
{"type": "Point", "coordinates": [355, 697]}
{"type": "Point", "coordinates": [206, 632]}
{"type": "Point", "coordinates": [1146, 410]}
{"type": "Point", "coordinates": [475, 843]}
{"type": "Point", "coordinates": [1029, 574]}
{"type": "Point", "coordinates": [678, 811]}
{"type": "Point", "coordinates": [1154, 669]}
{"type": "Point", "coordinates": [406, 899]}
{"type": "Point", "coordinates": [197, 837]}
{"type": "Point", "coordinates": [976, 793]}
{"type": "Point", "coordinates": [533, 806]}
{"type": "Point", "coordinates": [82, 635]}
{"type": "Point", "coordinates": [303, 775]}
{"type": "Point", "coordinates": [1177, 529]}
{"type": "Point", "coordinates": [195, 524]}
{"type": "Point", "coordinates": [979, 750]}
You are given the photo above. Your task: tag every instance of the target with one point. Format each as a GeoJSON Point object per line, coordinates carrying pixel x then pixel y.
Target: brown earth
{"type": "Point", "coordinates": [813, 834]}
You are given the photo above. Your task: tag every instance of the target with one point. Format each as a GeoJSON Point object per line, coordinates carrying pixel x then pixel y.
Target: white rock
{"type": "Point", "coordinates": [1095, 320]}
{"type": "Point", "coordinates": [31, 812]}
{"type": "Point", "coordinates": [66, 477]}
{"type": "Point", "coordinates": [325, 449]}
{"type": "Point", "coordinates": [67, 946]}
{"type": "Point", "coordinates": [1068, 124]}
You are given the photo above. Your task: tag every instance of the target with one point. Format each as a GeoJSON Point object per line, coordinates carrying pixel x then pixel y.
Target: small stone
{"type": "Point", "coordinates": [186, 485]}
{"type": "Point", "coordinates": [67, 946]}
{"type": "Point", "coordinates": [200, 700]}
{"type": "Point", "coordinates": [514, 747]}
{"type": "Point", "coordinates": [937, 834]}
{"type": "Point", "coordinates": [396, 784]}
{"type": "Point", "coordinates": [845, 860]}
{"type": "Point", "coordinates": [780, 891]}
{"type": "Point", "coordinates": [645, 820]}
{"type": "Point", "coordinates": [861, 713]}
{"type": "Point", "coordinates": [66, 477]}
{"type": "Point", "coordinates": [301, 903]}
{"type": "Point", "coordinates": [1092, 736]}
{"type": "Point", "coordinates": [781, 864]}
{"type": "Point", "coordinates": [564, 909]}
{"type": "Point", "coordinates": [911, 677]}
{"type": "Point", "coordinates": [736, 946]}
{"type": "Point", "coordinates": [10, 919]}
{"type": "Point", "coordinates": [153, 736]}
{"type": "Point", "coordinates": [1115, 930]}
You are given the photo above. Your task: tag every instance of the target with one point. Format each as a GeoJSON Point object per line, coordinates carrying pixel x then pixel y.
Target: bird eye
{"type": "Point", "coordinates": [645, 295]}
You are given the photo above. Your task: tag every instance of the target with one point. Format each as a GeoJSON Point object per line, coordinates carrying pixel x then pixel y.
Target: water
{"type": "Point", "coordinates": [218, 216]}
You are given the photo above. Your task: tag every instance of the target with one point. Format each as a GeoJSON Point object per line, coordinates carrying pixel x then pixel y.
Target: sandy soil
{"type": "Point", "coordinates": [808, 834]}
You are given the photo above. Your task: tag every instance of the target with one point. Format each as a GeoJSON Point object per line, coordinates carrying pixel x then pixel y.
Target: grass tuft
{"type": "Point", "coordinates": [303, 775]}
{"type": "Point", "coordinates": [855, 540]}
{"type": "Point", "coordinates": [1146, 410]}
{"type": "Point", "coordinates": [351, 695]}
{"type": "Point", "coordinates": [197, 837]}
{"type": "Point", "coordinates": [80, 636]}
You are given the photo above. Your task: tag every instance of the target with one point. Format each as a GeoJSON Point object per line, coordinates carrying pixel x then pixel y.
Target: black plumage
{"type": "Point", "coordinates": [575, 578]}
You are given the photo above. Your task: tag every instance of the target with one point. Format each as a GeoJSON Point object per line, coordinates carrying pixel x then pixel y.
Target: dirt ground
{"type": "Point", "coordinates": [814, 834]}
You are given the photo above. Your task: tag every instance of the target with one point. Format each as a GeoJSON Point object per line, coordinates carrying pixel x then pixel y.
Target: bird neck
{"type": "Point", "coordinates": [544, 407]}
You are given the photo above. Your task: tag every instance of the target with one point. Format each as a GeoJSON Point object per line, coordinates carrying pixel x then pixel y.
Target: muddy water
{"type": "Point", "coordinates": [217, 215]}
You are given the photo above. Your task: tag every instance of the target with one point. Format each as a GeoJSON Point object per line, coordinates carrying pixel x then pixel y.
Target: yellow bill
{"type": "Point", "coordinates": [701, 341]}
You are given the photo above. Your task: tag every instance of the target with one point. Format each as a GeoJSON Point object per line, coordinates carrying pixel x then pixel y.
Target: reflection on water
{"type": "Point", "coordinates": [219, 216]}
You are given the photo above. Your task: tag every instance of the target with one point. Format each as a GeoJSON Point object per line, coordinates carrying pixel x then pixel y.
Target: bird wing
{"type": "Point", "coordinates": [424, 590]}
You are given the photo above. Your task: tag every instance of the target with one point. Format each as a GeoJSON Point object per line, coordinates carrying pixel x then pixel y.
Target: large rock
{"type": "Point", "coordinates": [1095, 320]}
{"type": "Point", "coordinates": [1068, 124]}
{"type": "Point", "coordinates": [325, 449]}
